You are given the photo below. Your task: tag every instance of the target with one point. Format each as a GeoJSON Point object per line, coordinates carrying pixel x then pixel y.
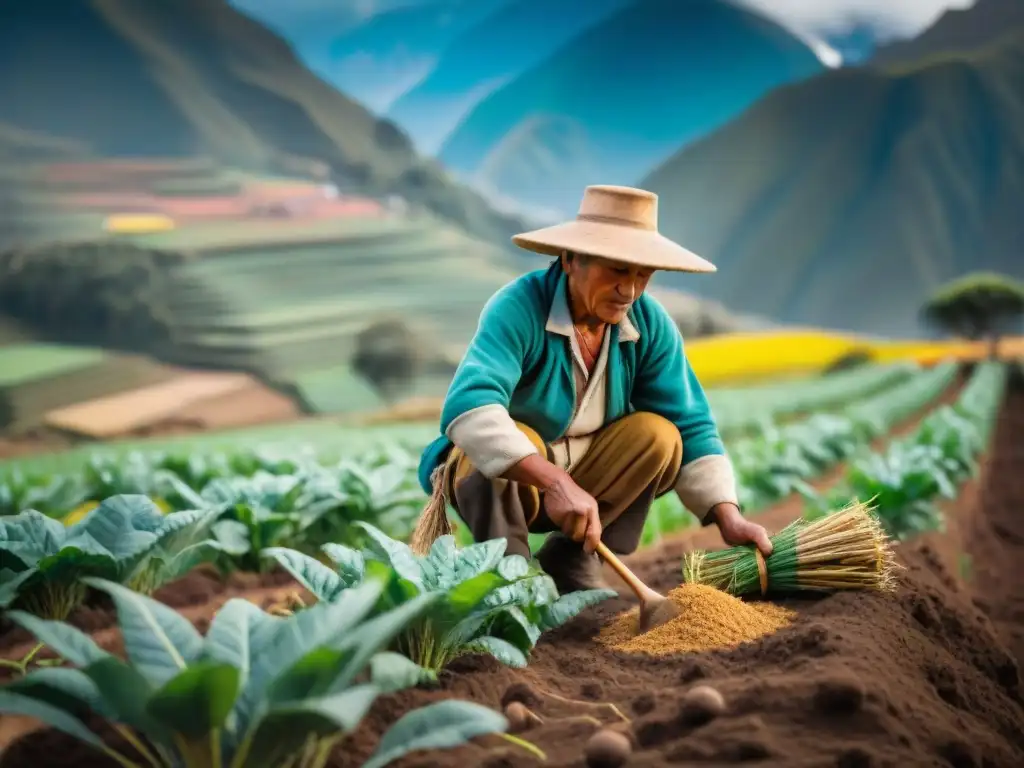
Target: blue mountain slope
{"type": "Point", "coordinates": [487, 56]}
{"type": "Point", "coordinates": [378, 60]}
{"type": "Point", "coordinates": [844, 201]}
{"type": "Point", "coordinates": [621, 97]}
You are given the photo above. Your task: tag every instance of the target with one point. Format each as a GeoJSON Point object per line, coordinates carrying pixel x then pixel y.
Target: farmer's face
{"type": "Point", "coordinates": [603, 290]}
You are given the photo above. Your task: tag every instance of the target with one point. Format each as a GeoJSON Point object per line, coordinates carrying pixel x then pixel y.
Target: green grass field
{"type": "Point", "coordinates": [23, 363]}
{"type": "Point", "coordinates": [329, 439]}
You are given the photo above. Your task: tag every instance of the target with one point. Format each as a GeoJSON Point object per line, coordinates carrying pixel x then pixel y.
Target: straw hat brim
{"type": "Point", "coordinates": [629, 245]}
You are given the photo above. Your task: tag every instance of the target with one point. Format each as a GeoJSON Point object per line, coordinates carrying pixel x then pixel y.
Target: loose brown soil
{"type": "Point", "coordinates": [919, 677]}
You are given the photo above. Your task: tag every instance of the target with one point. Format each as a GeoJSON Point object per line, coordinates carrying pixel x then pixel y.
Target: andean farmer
{"type": "Point", "coordinates": [574, 407]}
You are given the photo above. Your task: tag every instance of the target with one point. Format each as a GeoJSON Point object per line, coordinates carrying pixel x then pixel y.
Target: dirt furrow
{"type": "Point", "coordinates": [994, 537]}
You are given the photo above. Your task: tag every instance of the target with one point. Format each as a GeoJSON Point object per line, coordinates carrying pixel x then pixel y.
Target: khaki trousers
{"type": "Point", "coordinates": [630, 463]}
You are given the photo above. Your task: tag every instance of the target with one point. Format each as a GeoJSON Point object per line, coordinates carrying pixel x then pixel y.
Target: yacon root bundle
{"type": "Point", "coordinates": [847, 549]}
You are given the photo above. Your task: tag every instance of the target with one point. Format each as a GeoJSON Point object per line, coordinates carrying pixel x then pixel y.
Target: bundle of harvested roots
{"type": "Point", "coordinates": [847, 549]}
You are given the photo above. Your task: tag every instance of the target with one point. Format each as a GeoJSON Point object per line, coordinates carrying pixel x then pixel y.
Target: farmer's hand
{"type": "Point", "coordinates": [737, 530]}
{"type": "Point", "coordinates": [574, 511]}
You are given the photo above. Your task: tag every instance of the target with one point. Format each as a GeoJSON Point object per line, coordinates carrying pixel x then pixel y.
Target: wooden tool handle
{"type": "Point", "coordinates": [642, 590]}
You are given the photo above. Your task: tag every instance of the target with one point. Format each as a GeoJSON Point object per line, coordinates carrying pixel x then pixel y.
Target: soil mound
{"type": "Point", "coordinates": [708, 619]}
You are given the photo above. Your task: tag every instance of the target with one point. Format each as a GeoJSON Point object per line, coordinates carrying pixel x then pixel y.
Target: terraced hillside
{"type": "Point", "coordinates": [288, 298]}
{"type": "Point", "coordinates": [277, 298]}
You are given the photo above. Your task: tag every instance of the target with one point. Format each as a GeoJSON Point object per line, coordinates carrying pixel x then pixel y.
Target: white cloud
{"type": "Point", "coordinates": [888, 18]}
{"type": "Point", "coordinates": [826, 54]}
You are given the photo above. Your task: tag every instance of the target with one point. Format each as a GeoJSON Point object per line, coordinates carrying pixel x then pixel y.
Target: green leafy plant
{"type": "Point", "coordinates": [902, 485]}
{"type": "Point", "coordinates": [257, 691]}
{"type": "Point", "coordinates": [302, 510]}
{"type": "Point", "coordinates": [125, 539]}
{"type": "Point", "coordinates": [905, 481]}
{"type": "Point", "coordinates": [53, 496]}
{"type": "Point", "coordinates": [486, 602]}
{"type": "Point", "coordinates": [955, 437]}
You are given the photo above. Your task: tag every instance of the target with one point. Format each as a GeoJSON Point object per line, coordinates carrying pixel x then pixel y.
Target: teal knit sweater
{"type": "Point", "coordinates": [514, 362]}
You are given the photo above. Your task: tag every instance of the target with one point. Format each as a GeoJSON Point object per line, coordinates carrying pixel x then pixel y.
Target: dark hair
{"type": "Point", "coordinates": [570, 255]}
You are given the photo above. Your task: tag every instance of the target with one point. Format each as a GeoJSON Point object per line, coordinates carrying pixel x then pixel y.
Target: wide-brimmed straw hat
{"type": "Point", "coordinates": [619, 224]}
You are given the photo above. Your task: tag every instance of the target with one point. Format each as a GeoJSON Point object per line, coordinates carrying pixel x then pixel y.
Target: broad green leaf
{"type": "Point", "coordinates": [282, 731]}
{"type": "Point", "coordinates": [188, 558]}
{"type": "Point", "coordinates": [350, 562]}
{"type": "Point", "coordinates": [532, 590]}
{"type": "Point", "coordinates": [392, 672]}
{"type": "Point", "coordinates": [479, 558]}
{"type": "Point", "coordinates": [124, 692]}
{"type": "Point", "coordinates": [514, 567]}
{"type": "Point", "coordinates": [71, 644]}
{"type": "Point", "coordinates": [514, 626]}
{"type": "Point", "coordinates": [569, 606]}
{"type": "Point", "coordinates": [324, 583]}
{"type": "Point", "coordinates": [123, 525]}
{"type": "Point", "coordinates": [27, 538]}
{"type": "Point", "coordinates": [467, 595]}
{"type": "Point", "coordinates": [503, 651]}
{"type": "Point", "coordinates": [311, 675]}
{"type": "Point", "coordinates": [15, 704]}
{"type": "Point", "coordinates": [196, 701]}
{"type": "Point", "coordinates": [322, 624]}
{"type": "Point", "coordinates": [238, 631]}
{"type": "Point", "coordinates": [376, 634]}
{"type": "Point", "coordinates": [11, 584]}
{"type": "Point", "coordinates": [159, 641]}
{"type": "Point", "coordinates": [66, 688]}
{"type": "Point", "coordinates": [84, 558]}
{"type": "Point", "coordinates": [444, 549]}
{"type": "Point", "coordinates": [396, 553]}
{"type": "Point", "coordinates": [441, 725]}
{"type": "Point", "coordinates": [233, 536]}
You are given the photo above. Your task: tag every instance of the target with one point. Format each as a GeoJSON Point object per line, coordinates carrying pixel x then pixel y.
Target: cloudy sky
{"type": "Point", "coordinates": [888, 18]}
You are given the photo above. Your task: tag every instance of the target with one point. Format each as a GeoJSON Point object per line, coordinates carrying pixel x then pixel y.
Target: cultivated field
{"type": "Point", "coordinates": [244, 597]}
{"type": "Point", "coordinates": [276, 277]}
{"type": "Point", "coordinates": [294, 627]}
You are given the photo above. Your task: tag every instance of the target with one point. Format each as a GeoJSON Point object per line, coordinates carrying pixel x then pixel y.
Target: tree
{"type": "Point", "coordinates": [976, 306]}
{"type": "Point", "coordinates": [390, 355]}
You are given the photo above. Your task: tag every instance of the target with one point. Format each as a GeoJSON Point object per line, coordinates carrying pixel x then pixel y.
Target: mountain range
{"type": "Point", "coordinates": [378, 60]}
{"type": "Point", "coordinates": [958, 30]}
{"type": "Point", "coordinates": [487, 56]}
{"type": "Point", "coordinates": [180, 78]}
{"type": "Point", "coordinates": [843, 201]}
{"type": "Point", "coordinates": [619, 97]}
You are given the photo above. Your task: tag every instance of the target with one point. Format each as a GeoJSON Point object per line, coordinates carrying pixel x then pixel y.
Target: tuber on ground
{"type": "Point", "coordinates": [520, 717]}
{"type": "Point", "coordinates": [701, 704]}
{"type": "Point", "coordinates": [607, 749]}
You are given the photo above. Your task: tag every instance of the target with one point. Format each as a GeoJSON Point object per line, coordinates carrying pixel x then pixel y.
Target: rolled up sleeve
{"type": "Point", "coordinates": [706, 482]}
{"type": "Point", "coordinates": [491, 439]}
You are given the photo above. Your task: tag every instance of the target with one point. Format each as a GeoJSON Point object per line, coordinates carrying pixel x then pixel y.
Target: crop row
{"type": "Point", "coordinates": [750, 408]}
{"type": "Point", "coordinates": [911, 476]}
{"type": "Point", "coordinates": [263, 688]}
{"type": "Point", "coordinates": [781, 460]}
{"type": "Point", "coordinates": [311, 502]}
